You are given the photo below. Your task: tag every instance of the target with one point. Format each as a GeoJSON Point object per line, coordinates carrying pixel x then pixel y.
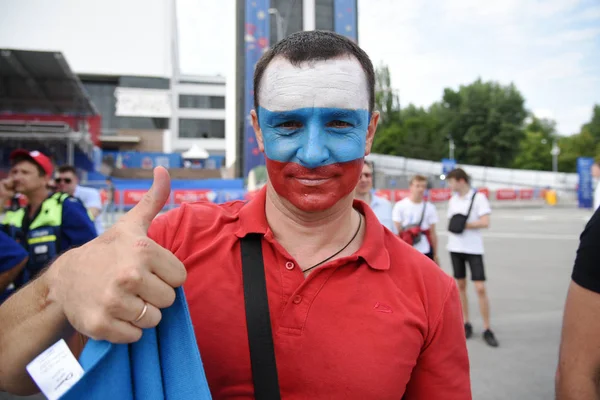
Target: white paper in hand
{"type": "Point", "coordinates": [55, 370]}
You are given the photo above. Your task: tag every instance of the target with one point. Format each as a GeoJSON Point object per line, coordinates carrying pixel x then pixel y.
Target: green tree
{"type": "Point", "coordinates": [534, 152]}
{"type": "Point", "coordinates": [593, 127]}
{"type": "Point", "coordinates": [388, 139]}
{"type": "Point", "coordinates": [387, 101]}
{"type": "Point", "coordinates": [485, 119]}
{"type": "Point", "coordinates": [417, 135]}
{"type": "Point", "coordinates": [423, 133]}
{"type": "Point", "coordinates": [536, 145]}
{"type": "Point", "coordinates": [586, 143]}
{"type": "Point", "coordinates": [574, 146]}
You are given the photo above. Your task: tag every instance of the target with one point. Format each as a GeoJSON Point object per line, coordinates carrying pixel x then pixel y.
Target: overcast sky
{"type": "Point", "coordinates": [549, 48]}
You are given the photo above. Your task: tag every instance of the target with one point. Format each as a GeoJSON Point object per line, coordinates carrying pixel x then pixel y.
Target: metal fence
{"type": "Point", "coordinates": [393, 172]}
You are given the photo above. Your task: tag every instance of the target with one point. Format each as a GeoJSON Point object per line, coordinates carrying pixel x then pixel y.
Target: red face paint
{"type": "Point", "coordinates": [314, 189]}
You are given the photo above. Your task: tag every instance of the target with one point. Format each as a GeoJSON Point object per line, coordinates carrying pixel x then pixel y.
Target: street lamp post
{"type": "Point", "coordinates": [279, 22]}
{"type": "Point", "coordinates": [555, 152]}
{"type": "Point", "coordinates": [451, 148]}
{"type": "Point", "coordinates": [173, 131]}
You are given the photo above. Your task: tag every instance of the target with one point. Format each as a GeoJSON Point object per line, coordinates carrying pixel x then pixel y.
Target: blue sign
{"type": "Point", "coordinates": [448, 165]}
{"type": "Point", "coordinates": [346, 18]}
{"type": "Point", "coordinates": [585, 191]}
{"type": "Point", "coordinates": [256, 43]}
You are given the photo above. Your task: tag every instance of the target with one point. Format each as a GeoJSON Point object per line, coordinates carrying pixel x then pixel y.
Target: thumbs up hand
{"type": "Point", "coordinates": [114, 286]}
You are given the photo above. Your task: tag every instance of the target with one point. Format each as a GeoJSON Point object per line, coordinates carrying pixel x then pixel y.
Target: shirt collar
{"type": "Point", "coordinates": [468, 195]}
{"type": "Point", "coordinates": [252, 219]}
{"type": "Point", "coordinates": [375, 200]}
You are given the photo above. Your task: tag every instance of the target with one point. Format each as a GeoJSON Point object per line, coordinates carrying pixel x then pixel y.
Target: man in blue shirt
{"type": "Point", "coordinates": [380, 206]}
{"type": "Point", "coordinates": [13, 258]}
{"type": "Point", "coordinates": [49, 224]}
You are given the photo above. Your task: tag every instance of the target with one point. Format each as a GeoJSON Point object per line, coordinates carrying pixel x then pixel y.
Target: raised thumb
{"type": "Point", "coordinates": [152, 201]}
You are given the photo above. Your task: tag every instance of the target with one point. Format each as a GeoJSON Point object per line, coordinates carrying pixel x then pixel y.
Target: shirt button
{"type": "Point", "coordinates": [289, 265]}
{"type": "Point", "coordinates": [297, 299]}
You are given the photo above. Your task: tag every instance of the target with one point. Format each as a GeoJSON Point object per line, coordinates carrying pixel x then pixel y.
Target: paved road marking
{"type": "Point", "coordinates": [521, 235]}
{"type": "Point", "coordinates": [543, 217]}
{"type": "Point", "coordinates": [535, 218]}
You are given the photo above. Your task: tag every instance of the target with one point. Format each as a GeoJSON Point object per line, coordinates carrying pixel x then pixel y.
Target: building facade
{"type": "Point", "coordinates": [127, 69]}
{"type": "Point", "coordinates": [136, 112]}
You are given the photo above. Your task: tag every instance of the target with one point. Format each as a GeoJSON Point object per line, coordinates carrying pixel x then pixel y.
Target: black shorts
{"type": "Point", "coordinates": [459, 261]}
{"type": "Point", "coordinates": [430, 254]}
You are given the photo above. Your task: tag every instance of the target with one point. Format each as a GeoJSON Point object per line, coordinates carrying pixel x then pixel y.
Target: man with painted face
{"type": "Point", "coordinates": [355, 312]}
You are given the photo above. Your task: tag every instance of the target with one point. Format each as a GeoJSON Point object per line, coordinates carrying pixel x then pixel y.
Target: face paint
{"type": "Point", "coordinates": [314, 189]}
{"type": "Point", "coordinates": [336, 83]}
{"type": "Point", "coordinates": [314, 121]}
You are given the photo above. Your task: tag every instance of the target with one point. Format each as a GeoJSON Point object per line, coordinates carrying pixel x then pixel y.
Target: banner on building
{"type": "Point", "coordinates": [585, 190]}
{"type": "Point", "coordinates": [256, 42]}
{"type": "Point", "coordinates": [346, 18]}
{"type": "Point", "coordinates": [137, 102]}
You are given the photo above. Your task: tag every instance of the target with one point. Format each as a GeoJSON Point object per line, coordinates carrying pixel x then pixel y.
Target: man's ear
{"type": "Point", "coordinates": [257, 131]}
{"type": "Point", "coordinates": [371, 131]}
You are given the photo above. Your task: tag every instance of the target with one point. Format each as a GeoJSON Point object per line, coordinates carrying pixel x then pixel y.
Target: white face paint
{"type": "Point", "coordinates": [335, 83]}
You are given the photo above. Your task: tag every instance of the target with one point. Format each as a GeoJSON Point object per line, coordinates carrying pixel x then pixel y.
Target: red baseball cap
{"type": "Point", "coordinates": [37, 157]}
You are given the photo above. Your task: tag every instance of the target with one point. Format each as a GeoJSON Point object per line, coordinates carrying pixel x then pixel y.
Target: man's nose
{"type": "Point", "coordinates": [313, 152]}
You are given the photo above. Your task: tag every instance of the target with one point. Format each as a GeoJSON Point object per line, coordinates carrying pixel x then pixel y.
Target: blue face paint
{"type": "Point", "coordinates": [314, 137]}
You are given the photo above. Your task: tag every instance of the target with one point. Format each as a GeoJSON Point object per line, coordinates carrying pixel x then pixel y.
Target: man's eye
{"type": "Point", "coordinates": [339, 124]}
{"type": "Point", "coordinates": [290, 125]}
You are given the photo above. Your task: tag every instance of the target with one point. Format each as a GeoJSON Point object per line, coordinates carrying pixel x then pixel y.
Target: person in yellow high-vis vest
{"type": "Point", "coordinates": [50, 223]}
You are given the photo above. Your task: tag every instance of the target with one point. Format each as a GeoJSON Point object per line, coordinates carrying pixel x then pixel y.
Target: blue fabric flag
{"type": "Point", "coordinates": [164, 364]}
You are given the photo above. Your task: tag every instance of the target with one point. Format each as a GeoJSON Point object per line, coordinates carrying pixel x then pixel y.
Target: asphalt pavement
{"type": "Point", "coordinates": [529, 254]}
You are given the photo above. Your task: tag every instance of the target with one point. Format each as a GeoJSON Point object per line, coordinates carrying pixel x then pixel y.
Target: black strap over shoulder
{"type": "Point", "coordinates": [471, 205]}
{"type": "Point", "coordinates": [423, 213]}
{"type": "Point", "coordinates": [258, 320]}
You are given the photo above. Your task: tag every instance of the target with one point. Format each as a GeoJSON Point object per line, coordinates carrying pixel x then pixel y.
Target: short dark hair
{"type": "Point", "coordinates": [458, 174]}
{"type": "Point", "coordinates": [418, 178]}
{"type": "Point", "coordinates": [370, 164]}
{"type": "Point", "coordinates": [317, 45]}
{"type": "Point", "coordinates": [67, 168]}
{"type": "Point", "coordinates": [20, 158]}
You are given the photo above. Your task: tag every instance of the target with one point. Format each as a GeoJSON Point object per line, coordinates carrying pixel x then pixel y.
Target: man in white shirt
{"type": "Point", "coordinates": [467, 247]}
{"type": "Point", "coordinates": [67, 182]}
{"type": "Point", "coordinates": [414, 214]}
{"type": "Point", "coordinates": [596, 176]}
{"type": "Point", "coordinates": [364, 191]}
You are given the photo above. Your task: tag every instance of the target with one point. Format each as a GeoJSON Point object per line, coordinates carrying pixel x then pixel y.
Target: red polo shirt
{"type": "Point", "coordinates": [375, 325]}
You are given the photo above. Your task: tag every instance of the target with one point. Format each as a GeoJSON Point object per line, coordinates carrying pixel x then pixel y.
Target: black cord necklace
{"type": "Point", "coordinates": [342, 249]}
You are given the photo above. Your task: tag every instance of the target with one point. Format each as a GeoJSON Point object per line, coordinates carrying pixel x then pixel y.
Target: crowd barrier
{"type": "Point", "coordinates": [441, 195]}
{"type": "Point", "coordinates": [127, 197]}
{"type": "Point", "coordinates": [129, 192]}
